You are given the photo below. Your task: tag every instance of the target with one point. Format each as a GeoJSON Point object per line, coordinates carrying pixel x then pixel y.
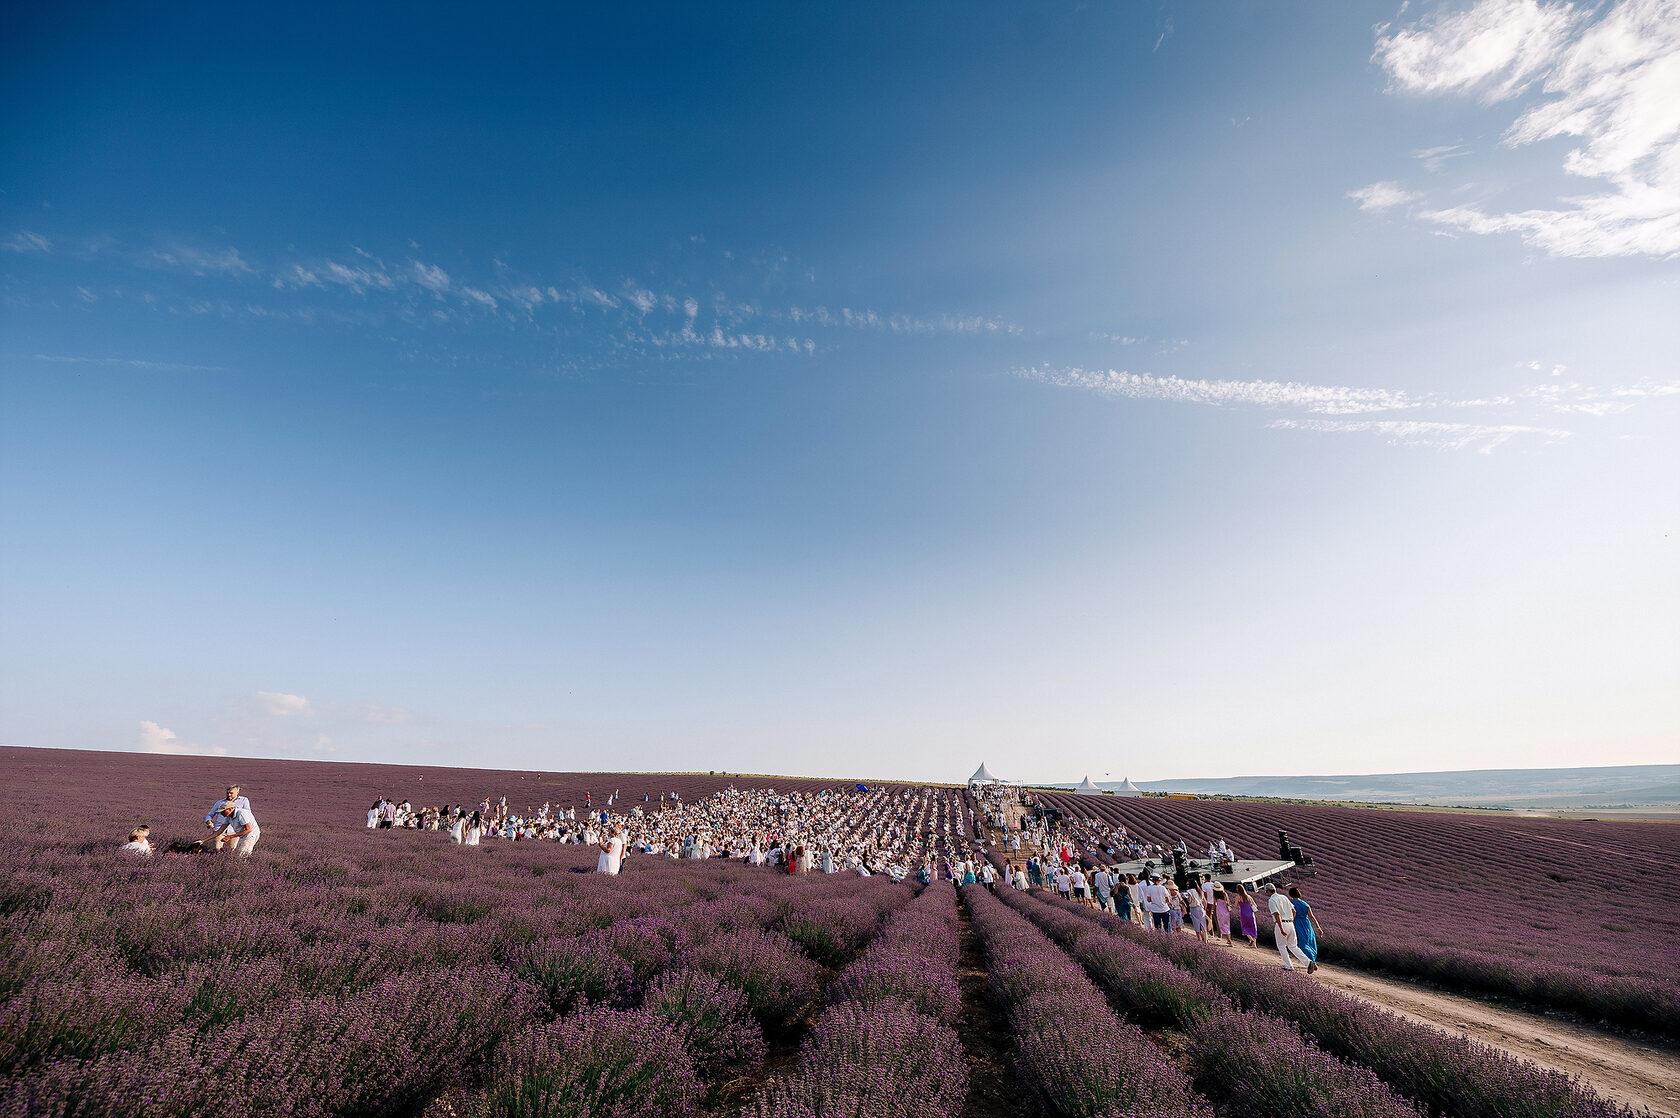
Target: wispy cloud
{"type": "Point", "coordinates": [1382, 196]}
{"type": "Point", "coordinates": [1610, 82]}
{"type": "Point", "coordinates": [1481, 437]}
{"type": "Point", "coordinates": [204, 262]}
{"type": "Point", "coordinates": [1323, 399]}
{"type": "Point", "coordinates": [25, 241]}
{"type": "Point", "coordinates": [1318, 400]}
{"type": "Point", "coordinates": [1433, 159]}
{"type": "Point", "coordinates": [130, 363]}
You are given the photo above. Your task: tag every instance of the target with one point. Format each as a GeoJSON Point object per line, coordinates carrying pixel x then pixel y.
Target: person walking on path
{"type": "Point", "coordinates": [1283, 929]}
{"type": "Point", "coordinates": [1245, 916]}
{"type": "Point", "coordinates": [1306, 927]}
{"type": "Point", "coordinates": [1155, 903]}
{"type": "Point", "coordinates": [1222, 913]}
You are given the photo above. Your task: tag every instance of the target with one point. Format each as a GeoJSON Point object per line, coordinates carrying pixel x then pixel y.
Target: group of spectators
{"type": "Point", "coordinates": [898, 831]}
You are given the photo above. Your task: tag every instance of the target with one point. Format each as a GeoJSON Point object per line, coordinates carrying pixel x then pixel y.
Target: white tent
{"type": "Point", "coordinates": [983, 775]}
{"type": "Point", "coordinates": [1127, 788]}
{"type": "Point", "coordinates": [1086, 788]}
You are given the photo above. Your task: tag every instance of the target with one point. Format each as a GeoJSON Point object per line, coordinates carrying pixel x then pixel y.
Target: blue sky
{"type": "Point", "coordinates": [1150, 390]}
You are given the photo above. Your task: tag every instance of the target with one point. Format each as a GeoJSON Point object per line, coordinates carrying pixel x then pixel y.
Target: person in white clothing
{"type": "Point", "coordinates": [458, 830]}
{"type": "Point", "coordinates": [1283, 927]}
{"type": "Point", "coordinates": [1155, 902]}
{"type": "Point", "coordinates": [233, 797]}
{"type": "Point", "coordinates": [239, 829]}
{"type": "Point", "coordinates": [139, 841]}
{"type": "Point", "coordinates": [612, 853]}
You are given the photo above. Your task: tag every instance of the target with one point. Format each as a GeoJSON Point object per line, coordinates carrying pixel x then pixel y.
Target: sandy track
{"type": "Point", "coordinates": [1638, 1074]}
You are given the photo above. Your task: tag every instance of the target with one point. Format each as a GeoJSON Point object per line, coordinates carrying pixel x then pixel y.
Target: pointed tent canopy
{"type": "Point", "coordinates": [1127, 788]}
{"type": "Point", "coordinates": [1086, 788]}
{"type": "Point", "coordinates": [983, 775]}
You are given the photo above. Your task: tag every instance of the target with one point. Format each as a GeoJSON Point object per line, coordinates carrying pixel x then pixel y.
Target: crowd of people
{"type": "Point", "coordinates": [926, 833]}
{"type": "Point", "coordinates": [898, 831]}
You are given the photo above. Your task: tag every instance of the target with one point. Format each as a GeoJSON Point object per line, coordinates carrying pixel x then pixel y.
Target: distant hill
{"type": "Point", "coordinates": [1599, 787]}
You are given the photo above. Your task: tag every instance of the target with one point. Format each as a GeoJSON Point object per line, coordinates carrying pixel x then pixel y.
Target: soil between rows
{"type": "Point", "coordinates": [994, 1088]}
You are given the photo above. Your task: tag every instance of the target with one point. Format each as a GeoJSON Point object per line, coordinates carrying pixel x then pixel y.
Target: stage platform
{"type": "Point", "coordinates": [1244, 871]}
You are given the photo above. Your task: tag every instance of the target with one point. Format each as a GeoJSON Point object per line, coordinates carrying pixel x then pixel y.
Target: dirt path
{"type": "Point", "coordinates": [993, 1089]}
{"type": "Point", "coordinates": [1638, 1074]}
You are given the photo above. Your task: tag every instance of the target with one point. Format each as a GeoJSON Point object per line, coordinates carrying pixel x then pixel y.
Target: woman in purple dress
{"type": "Point", "coordinates": [1245, 916]}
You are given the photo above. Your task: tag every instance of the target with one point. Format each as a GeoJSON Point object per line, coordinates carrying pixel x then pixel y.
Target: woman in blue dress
{"type": "Point", "coordinates": [1306, 928]}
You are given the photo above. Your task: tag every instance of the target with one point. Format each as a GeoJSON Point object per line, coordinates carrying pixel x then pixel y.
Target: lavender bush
{"type": "Point", "coordinates": [599, 1063]}
{"type": "Point", "coordinates": [880, 1060]}
{"type": "Point", "coordinates": [712, 1019]}
{"type": "Point", "coordinates": [1445, 1074]}
{"type": "Point", "coordinates": [1069, 1045]}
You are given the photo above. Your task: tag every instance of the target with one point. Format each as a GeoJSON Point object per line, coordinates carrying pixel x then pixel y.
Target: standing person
{"type": "Point", "coordinates": [1081, 890]}
{"type": "Point", "coordinates": [1156, 903]}
{"type": "Point", "coordinates": [1196, 906]}
{"type": "Point", "coordinates": [1064, 883]}
{"type": "Point", "coordinates": [373, 815]}
{"type": "Point", "coordinates": [1123, 898]}
{"type": "Point", "coordinates": [612, 853]}
{"type": "Point", "coordinates": [233, 797]}
{"type": "Point", "coordinates": [1175, 906]}
{"type": "Point", "coordinates": [988, 877]}
{"type": "Point", "coordinates": [1245, 915]}
{"type": "Point", "coordinates": [1283, 928]}
{"type": "Point", "coordinates": [1306, 927]}
{"type": "Point", "coordinates": [1105, 889]}
{"type": "Point", "coordinates": [474, 830]}
{"type": "Point", "coordinates": [239, 829]}
{"type": "Point", "coordinates": [458, 829]}
{"type": "Point", "coordinates": [1222, 913]}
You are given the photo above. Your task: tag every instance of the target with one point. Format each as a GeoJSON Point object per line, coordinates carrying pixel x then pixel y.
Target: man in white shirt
{"type": "Point", "coordinates": [1105, 889]}
{"type": "Point", "coordinates": [239, 830]}
{"type": "Point", "coordinates": [1155, 903]}
{"type": "Point", "coordinates": [1283, 927]}
{"type": "Point", "coordinates": [1076, 879]}
{"type": "Point", "coordinates": [233, 797]}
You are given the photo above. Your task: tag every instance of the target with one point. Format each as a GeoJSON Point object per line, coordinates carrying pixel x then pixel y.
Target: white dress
{"type": "Point", "coordinates": [612, 857]}
{"type": "Point", "coordinates": [373, 818]}
{"type": "Point", "coordinates": [472, 835]}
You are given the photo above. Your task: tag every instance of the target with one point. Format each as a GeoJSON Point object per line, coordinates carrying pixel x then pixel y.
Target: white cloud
{"type": "Point", "coordinates": [482, 298]}
{"type": "Point", "coordinates": [223, 262]}
{"type": "Point", "coordinates": [278, 704]}
{"type": "Point", "coordinates": [1495, 49]}
{"type": "Point", "coordinates": [430, 276]}
{"type": "Point", "coordinates": [1481, 437]}
{"type": "Point", "coordinates": [1611, 83]}
{"type": "Point", "coordinates": [1382, 196]}
{"type": "Point", "coordinates": [25, 241]}
{"type": "Point", "coordinates": [156, 739]}
{"type": "Point", "coordinates": [1433, 159]}
{"type": "Point", "coordinates": [1323, 399]}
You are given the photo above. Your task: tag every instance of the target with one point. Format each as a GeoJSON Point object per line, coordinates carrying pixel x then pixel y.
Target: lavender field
{"type": "Point", "coordinates": [1534, 909]}
{"type": "Point", "coordinates": [341, 971]}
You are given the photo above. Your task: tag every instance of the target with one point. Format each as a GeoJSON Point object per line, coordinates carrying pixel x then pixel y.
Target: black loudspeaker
{"type": "Point", "coordinates": [1181, 872]}
{"type": "Point", "coordinates": [1283, 846]}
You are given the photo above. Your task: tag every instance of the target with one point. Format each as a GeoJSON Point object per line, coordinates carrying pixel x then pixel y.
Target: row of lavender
{"type": "Point", "coordinates": [1255, 1064]}
{"type": "Point", "coordinates": [372, 984]}
{"type": "Point", "coordinates": [885, 1045]}
{"type": "Point", "coordinates": [1070, 1047]}
{"type": "Point", "coordinates": [1214, 994]}
{"type": "Point", "coordinates": [1386, 874]}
